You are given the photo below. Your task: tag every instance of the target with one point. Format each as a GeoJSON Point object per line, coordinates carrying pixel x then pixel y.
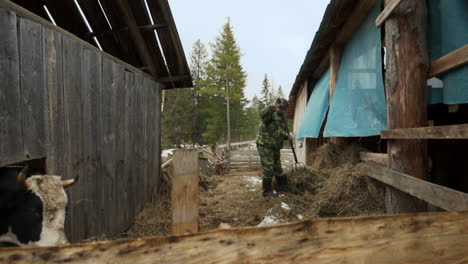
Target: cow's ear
{"type": "Point", "coordinates": [21, 178]}
{"type": "Point", "coordinates": [70, 182]}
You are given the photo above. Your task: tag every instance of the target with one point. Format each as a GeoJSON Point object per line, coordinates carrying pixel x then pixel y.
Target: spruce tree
{"type": "Point", "coordinates": [265, 93]}
{"type": "Point", "coordinates": [198, 65]}
{"type": "Point", "coordinates": [226, 80]}
{"type": "Point", "coordinates": [280, 92]}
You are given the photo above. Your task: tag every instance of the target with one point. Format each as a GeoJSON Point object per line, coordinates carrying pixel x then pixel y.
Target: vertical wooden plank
{"type": "Point", "coordinates": [72, 60]}
{"type": "Point", "coordinates": [108, 146]}
{"type": "Point", "coordinates": [151, 138]}
{"type": "Point", "coordinates": [406, 86]}
{"type": "Point", "coordinates": [157, 135]}
{"type": "Point", "coordinates": [130, 159]}
{"type": "Point", "coordinates": [146, 153]}
{"type": "Point", "coordinates": [54, 112]}
{"type": "Point", "coordinates": [185, 192]}
{"type": "Point", "coordinates": [11, 142]}
{"type": "Point", "coordinates": [90, 182]}
{"type": "Point", "coordinates": [118, 117]}
{"type": "Point", "coordinates": [140, 116]}
{"type": "Point", "coordinates": [113, 150]}
{"type": "Point", "coordinates": [32, 88]}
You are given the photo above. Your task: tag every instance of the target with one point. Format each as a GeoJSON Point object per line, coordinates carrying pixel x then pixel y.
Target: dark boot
{"type": "Point", "coordinates": [267, 190]}
{"type": "Point", "coordinates": [282, 183]}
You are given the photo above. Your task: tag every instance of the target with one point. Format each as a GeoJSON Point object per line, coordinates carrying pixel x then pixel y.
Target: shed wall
{"type": "Point", "coordinates": [299, 112]}
{"type": "Point", "coordinates": [87, 115]}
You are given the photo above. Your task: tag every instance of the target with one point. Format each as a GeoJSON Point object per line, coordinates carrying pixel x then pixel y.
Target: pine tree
{"type": "Point", "coordinates": [280, 92]}
{"type": "Point", "coordinates": [226, 81]}
{"type": "Point", "coordinates": [198, 65]}
{"type": "Point", "coordinates": [266, 94]}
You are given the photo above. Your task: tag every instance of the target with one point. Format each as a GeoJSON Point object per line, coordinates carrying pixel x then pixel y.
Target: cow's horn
{"type": "Point", "coordinates": [70, 182]}
{"type": "Point", "coordinates": [21, 178]}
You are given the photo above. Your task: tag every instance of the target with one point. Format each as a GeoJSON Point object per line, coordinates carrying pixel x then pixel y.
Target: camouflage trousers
{"type": "Point", "coordinates": [270, 161]}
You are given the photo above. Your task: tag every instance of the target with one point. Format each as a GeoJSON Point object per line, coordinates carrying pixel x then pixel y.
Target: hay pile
{"type": "Point", "coordinates": [336, 184]}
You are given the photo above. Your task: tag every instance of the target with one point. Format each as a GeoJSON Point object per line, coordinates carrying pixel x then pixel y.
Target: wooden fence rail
{"type": "Point", "coordinates": [416, 238]}
{"type": "Point", "coordinates": [434, 194]}
{"type": "Point", "coordinates": [434, 132]}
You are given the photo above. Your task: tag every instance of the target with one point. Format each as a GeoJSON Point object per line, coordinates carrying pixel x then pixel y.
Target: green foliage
{"type": "Point", "coordinates": [199, 115]}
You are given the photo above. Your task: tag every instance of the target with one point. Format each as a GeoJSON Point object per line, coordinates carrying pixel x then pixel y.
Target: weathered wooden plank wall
{"type": "Point", "coordinates": [11, 141]}
{"type": "Point", "coordinates": [87, 116]}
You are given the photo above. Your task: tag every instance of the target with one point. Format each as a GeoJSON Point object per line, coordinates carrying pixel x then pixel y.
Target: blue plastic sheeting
{"type": "Point", "coordinates": [358, 106]}
{"type": "Point", "coordinates": [448, 31]}
{"type": "Point", "coordinates": [317, 108]}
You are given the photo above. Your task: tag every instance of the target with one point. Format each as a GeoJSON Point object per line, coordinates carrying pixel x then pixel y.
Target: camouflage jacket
{"type": "Point", "coordinates": [272, 129]}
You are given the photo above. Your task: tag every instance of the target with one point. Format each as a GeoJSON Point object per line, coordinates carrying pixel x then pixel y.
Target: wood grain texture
{"type": "Point", "coordinates": [32, 89]}
{"type": "Point", "coordinates": [413, 238]}
{"type": "Point", "coordinates": [386, 12]}
{"type": "Point", "coordinates": [437, 132]}
{"type": "Point", "coordinates": [130, 191]}
{"type": "Point", "coordinates": [405, 86]}
{"type": "Point", "coordinates": [54, 112]}
{"type": "Point", "coordinates": [440, 196]}
{"type": "Point", "coordinates": [88, 197]}
{"type": "Point", "coordinates": [449, 62]}
{"type": "Point", "coordinates": [72, 98]}
{"type": "Point", "coordinates": [185, 191]}
{"type": "Point", "coordinates": [11, 141]}
{"type": "Point", "coordinates": [374, 157]}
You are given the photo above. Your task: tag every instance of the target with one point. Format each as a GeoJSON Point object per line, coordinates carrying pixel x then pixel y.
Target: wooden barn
{"type": "Point", "coordinates": [80, 95]}
{"type": "Point", "coordinates": [390, 76]}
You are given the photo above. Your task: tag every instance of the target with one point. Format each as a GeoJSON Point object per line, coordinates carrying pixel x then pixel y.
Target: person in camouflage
{"type": "Point", "coordinates": [272, 131]}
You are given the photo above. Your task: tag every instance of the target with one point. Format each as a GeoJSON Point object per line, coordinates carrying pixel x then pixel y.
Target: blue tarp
{"type": "Point", "coordinates": [448, 31]}
{"type": "Point", "coordinates": [316, 110]}
{"type": "Point", "coordinates": [358, 106]}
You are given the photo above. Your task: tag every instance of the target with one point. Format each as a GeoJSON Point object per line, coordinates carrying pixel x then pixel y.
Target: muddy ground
{"type": "Point", "coordinates": [334, 185]}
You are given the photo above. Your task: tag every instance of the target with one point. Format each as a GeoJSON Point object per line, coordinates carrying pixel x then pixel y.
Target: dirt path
{"type": "Point", "coordinates": [236, 199]}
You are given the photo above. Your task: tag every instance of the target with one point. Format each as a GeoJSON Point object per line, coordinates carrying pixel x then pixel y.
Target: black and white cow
{"type": "Point", "coordinates": [32, 210]}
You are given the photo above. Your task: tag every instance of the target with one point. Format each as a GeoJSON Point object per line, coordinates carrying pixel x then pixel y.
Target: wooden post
{"type": "Point", "coordinates": [405, 81]}
{"type": "Point", "coordinates": [335, 58]}
{"type": "Point", "coordinates": [185, 192]}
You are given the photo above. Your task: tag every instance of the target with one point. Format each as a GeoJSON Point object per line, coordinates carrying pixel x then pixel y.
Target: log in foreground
{"type": "Point", "coordinates": [416, 238]}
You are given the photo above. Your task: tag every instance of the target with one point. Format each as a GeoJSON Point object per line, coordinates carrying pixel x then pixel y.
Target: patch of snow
{"type": "Point", "coordinates": [281, 195]}
{"type": "Point", "coordinates": [300, 217]}
{"type": "Point", "coordinates": [269, 220]}
{"type": "Point", "coordinates": [253, 180]}
{"type": "Point", "coordinates": [165, 153]}
{"type": "Point", "coordinates": [285, 206]}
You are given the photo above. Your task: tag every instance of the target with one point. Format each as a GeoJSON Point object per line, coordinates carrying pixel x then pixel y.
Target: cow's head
{"type": "Point", "coordinates": [39, 210]}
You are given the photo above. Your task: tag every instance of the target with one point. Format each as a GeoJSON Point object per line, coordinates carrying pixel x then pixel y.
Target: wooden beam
{"type": "Point", "coordinates": [440, 196]}
{"type": "Point", "coordinates": [185, 192]}
{"type": "Point", "coordinates": [374, 157]}
{"type": "Point", "coordinates": [449, 62]}
{"type": "Point", "coordinates": [416, 238]}
{"type": "Point", "coordinates": [406, 86]}
{"type": "Point", "coordinates": [386, 12]}
{"type": "Point", "coordinates": [437, 132]}
{"type": "Point", "coordinates": [136, 36]}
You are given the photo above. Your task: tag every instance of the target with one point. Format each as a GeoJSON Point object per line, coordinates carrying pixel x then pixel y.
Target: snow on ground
{"type": "Point", "coordinates": [251, 179]}
{"type": "Point", "coordinates": [165, 153]}
{"type": "Point", "coordinates": [300, 217]}
{"type": "Point", "coordinates": [285, 206]}
{"type": "Point", "coordinates": [269, 220]}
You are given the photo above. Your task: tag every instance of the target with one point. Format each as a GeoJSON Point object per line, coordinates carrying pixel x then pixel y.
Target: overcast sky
{"type": "Point", "coordinates": [274, 35]}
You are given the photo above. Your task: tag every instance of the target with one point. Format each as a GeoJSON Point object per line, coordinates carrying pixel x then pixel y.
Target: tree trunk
{"type": "Point", "coordinates": [405, 82]}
